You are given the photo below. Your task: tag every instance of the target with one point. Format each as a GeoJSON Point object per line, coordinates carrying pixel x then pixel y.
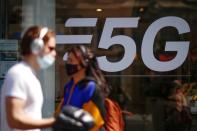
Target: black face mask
{"type": "Point", "coordinates": [71, 69]}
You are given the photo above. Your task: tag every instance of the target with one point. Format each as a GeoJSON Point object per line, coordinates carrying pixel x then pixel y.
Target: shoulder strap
{"type": "Point", "coordinates": [70, 94]}
{"type": "Point", "coordinates": [83, 83]}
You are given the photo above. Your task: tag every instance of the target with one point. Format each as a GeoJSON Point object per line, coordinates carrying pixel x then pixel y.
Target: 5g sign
{"type": "Point", "coordinates": [107, 40]}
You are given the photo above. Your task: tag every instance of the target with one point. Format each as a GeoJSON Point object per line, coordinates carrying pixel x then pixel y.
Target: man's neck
{"type": "Point", "coordinates": [31, 63]}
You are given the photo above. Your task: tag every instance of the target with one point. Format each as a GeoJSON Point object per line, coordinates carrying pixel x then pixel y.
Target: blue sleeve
{"type": "Point", "coordinates": [89, 91]}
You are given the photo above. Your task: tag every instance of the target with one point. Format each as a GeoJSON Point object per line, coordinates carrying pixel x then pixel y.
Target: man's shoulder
{"type": "Point", "coordinates": [17, 69]}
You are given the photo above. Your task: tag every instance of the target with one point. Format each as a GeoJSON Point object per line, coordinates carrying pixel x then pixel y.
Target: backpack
{"type": "Point", "coordinates": [113, 114]}
{"type": "Point", "coordinates": [114, 118]}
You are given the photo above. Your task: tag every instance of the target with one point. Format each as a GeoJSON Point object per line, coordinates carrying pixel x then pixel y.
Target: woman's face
{"type": "Point", "coordinates": [72, 59]}
{"type": "Point", "coordinates": [73, 66]}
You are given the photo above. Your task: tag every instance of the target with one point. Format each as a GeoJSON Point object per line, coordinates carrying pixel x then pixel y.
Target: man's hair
{"type": "Point", "coordinates": [28, 37]}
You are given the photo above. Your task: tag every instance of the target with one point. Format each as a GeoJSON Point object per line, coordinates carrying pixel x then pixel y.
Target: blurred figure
{"type": "Point", "coordinates": [86, 85]}
{"type": "Point", "coordinates": [177, 113]}
{"type": "Point", "coordinates": [180, 93]}
{"type": "Point", "coordinates": [22, 97]}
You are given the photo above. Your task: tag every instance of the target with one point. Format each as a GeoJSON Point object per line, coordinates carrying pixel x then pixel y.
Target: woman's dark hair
{"type": "Point", "coordinates": [31, 34]}
{"type": "Point", "coordinates": [88, 60]}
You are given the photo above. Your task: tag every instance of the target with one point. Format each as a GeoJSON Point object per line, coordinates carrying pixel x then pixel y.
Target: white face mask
{"type": "Point", "coordinates": [45, 61]}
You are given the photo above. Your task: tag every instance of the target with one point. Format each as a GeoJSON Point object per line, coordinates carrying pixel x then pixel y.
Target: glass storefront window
{"type": "Point", "coordinates": [137, 88]}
